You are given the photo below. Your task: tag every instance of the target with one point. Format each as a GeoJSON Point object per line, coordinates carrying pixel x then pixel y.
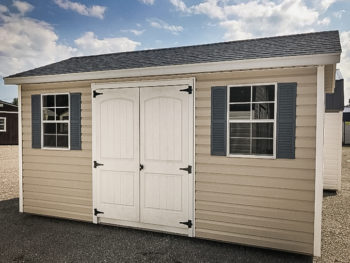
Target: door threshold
{"type": "Point", "coordinates": [145, 226]}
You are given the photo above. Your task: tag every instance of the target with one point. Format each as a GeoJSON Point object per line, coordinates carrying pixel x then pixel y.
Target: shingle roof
{"type": "Point", "coordinates": [283, 46]}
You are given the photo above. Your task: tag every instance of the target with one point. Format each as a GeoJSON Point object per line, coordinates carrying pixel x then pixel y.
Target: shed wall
{"type": "Point", "coordinates": [260, 202]}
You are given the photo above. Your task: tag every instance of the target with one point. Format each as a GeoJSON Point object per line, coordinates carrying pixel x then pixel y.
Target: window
{"type": "Point", "coordinates": [251, 120]}
{"type": "Point", "coordinates": [55, 121]}
{"type": "Point", "coordinates": [2, 124]}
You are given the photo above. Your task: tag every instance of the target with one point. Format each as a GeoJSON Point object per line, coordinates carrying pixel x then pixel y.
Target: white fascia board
{"type": "Point", "coordinates": [278, 62]}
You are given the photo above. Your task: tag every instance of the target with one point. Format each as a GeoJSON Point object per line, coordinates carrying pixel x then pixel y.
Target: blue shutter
{"type": "Point", "coordinates": [218, 120]}
{"type": "Point", "coordinates": [75, 121]}
{"type": "Point", "coordinates": [36, 121]}
{"type": "Point", "coordinates": [286, 120]}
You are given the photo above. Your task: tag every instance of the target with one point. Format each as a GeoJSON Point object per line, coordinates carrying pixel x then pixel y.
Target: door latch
{"type": "Point", "coordinates": [187, 223]}
{"type": "Point", "coordinates": [95, 93]}
{"type": "Point", "coordinates": [96, 164]}
{"type": "Point", "coordinates": [188, 169]}
{"type": "Point", "coordinates": [141, 167]}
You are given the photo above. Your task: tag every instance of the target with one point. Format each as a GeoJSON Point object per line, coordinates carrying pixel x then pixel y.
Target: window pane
{"type": "Point", "coordinates": [262, 146]}
{"type": "Point", "coordinates": [2, 127]}
{"type": "Point", "coordinates": [240, 112]}
{"type": "Point", "coordinates": [240, 130]}
{"type": "Point", "coordinates": [240, 94]}
{"type": "Point", "coordinates": [49, 101]}
{"type": "Point", "coordinates": [2, 121]}
{"type": "Point", "coordinates": [62, 141]}
{"type": "Point", "coordinates": [49, 140]}
{"type": "Point", "coordinates": [62, 128]}
{"type": "Point", "coordinates": [62, 114]}
{"type": "Point", "coordinates": [263, 110]}
{"type": "Point", "coordinates": [262, 130]}
{"type": "Point", "coordinates": [61, 100]}
{"type": "Point", "coordinates": [239, 146]}
{"type": "Point", "coordinates": [49, 114]}
{"type": "Point", "coordinates": [49, 128]}
{"type": "Point", "coordinates": [264, 93]}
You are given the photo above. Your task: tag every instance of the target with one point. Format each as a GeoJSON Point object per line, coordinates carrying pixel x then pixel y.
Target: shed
{"type": "Point", "coordinates": [346, 126]}
{"type": "Point", "coordinates": [221, 141]}
{"type": "Point", "coordinates": [8, 123]}
{"type": "Point", "coordinates": [333, 129]}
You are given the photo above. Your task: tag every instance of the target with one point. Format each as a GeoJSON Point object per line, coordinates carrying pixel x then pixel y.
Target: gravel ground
{"type": "Point", "coordinates": [336, 219]}
{"type": "Point", "coordinates": [8, 172]}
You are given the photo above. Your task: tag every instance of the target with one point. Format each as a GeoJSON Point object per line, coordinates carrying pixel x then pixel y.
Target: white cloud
{"type": "Point", "coordinates": [339, 14]}
{"type": "Point", "coordinates": [147, 2]}
{"type": "Point", "coordinates": [27, 43]}
{"type": "Point", "coordinates": [90, 44]}
{"type": "Point", "coordinates": [23, 7]}
{"type": "Point", "coordinates": [93, 11]}
{"type": "Point", "coordinates": [242, 19]}
{"type": "Point", "coordinates": [158, 23]}
{"type": "Point", "coordinates": [134, 31]}
{"type": "Point", "coordinates": [345, 63]}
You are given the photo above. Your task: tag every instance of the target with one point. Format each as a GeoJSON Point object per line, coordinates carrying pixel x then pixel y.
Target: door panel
{"type": "Point", "coordinates": [117, 148]}
{"type": "Point", "coordinates": [165, 142]}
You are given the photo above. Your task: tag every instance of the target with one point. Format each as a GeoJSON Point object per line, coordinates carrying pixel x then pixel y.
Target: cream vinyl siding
{"type": "Point", "coordinates": [259, 202]}
{"type": "Point", "coordinates": [57, 182]}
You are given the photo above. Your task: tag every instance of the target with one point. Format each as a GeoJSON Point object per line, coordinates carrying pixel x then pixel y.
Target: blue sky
{"type": "Point", "coordinates": [38, 32]}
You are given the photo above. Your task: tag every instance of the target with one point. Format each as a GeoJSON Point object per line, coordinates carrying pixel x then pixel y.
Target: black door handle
{"type": "Point", "coordinates": [141, 167]}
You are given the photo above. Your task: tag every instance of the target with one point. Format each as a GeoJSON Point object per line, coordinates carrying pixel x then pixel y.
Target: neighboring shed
{"type": "Point", "coordinates": [221, 141]}
{"type": "Point", "coordinates": [333, 135]}
{"type": "Point", "coordinates": [8, 123]}
{"type": "Point", "coordinates": [346, 126]}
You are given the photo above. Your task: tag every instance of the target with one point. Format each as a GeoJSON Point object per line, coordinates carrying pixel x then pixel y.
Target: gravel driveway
{"type": "Point", "coordinates": [30, 238]}
{"type": "Point", "coordinates": [8, 172]}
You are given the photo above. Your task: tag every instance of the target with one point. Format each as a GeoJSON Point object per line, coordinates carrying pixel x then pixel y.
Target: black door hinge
{"type": "Point", "coordinates": [96, 212]}
{"type": "Point", "coordinates": [95, 93]}
{"type": "Point", "coordinates": [189, 90]}
{"type": "Point", "coordinates": [187, 223]}
{"type": "Point", "coordinates": [141, 167]}
{"type": "Point", "coordinates": [188, 169]}
{"type": "Point", "coordinates": [96, 164]}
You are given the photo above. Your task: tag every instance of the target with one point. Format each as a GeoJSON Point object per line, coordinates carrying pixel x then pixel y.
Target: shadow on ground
{"type": "Point", "coordinates": [30, 238]}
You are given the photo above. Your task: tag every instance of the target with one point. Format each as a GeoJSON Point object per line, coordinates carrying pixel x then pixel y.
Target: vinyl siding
{"type": "Point", "coordinates": [259, 202]}
{"type": "Point", "coordinates": [57, 182]}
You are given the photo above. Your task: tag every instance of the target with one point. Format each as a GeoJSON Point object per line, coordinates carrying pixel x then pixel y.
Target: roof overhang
{"type": "Point", "coordinates": [248, 64]}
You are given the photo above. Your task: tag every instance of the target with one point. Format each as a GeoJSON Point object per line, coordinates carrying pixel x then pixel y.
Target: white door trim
{"type": "Point", "coordinates": [140, 84]}
{"type": "Point", "coordinates": [319, 159]}
{"type": "Point", "coordinates": [20, 156]}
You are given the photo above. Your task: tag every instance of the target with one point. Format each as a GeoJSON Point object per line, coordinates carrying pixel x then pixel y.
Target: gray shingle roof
{"type": "Point", "coordinates": [283, 46]}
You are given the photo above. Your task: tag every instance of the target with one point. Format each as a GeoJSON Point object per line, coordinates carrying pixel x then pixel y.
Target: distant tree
{"type": "Point", "coordinates": [15, 101]}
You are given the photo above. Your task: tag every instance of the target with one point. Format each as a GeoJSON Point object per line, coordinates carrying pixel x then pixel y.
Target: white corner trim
{"type": "Point", "coordinates": [319, 160]}
{"type": "Point", "coordinates": [261, 63]}
{"type": "Point", "coordinates": [20, 179]}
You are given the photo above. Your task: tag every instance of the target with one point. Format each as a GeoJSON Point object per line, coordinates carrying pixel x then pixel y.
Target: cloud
{"type": "Point", "coordinates": [344, 65]}
{"type": "Point", "coordinates": [23, 7]}
{"type": "Point", "coordinates": [147, 2]}
{"type": "Point", "coordinates": [158, 23]}
{"type": "Point", "coordinates": [27, 43]}
{"type": "Point", "coordinates": [134, 31]}
{"type": "Point", "coordinates": [90, 44]}
{"type": "Point", "coordinates": [93, 11]}
{"type": "Point", "coordinates": [3, 9]}
{"type": "Point", "coordinates": [339, 14]}
{"type": "Point", "coordinates": [245, 19]}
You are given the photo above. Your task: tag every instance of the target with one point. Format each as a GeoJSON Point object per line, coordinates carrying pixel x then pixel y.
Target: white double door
{"type": "Point", "coordinates": [143, 138]}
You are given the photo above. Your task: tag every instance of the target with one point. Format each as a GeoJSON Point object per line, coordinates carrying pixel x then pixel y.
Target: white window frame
{"type": "Point", "coordinates": [274, 121]}
{"type": "Point", "coordinates": [3, 118]}
{"type": "Point", "coordinates": [55, 121]}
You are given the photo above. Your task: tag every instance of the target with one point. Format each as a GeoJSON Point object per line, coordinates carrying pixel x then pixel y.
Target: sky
{"type": "Point", "coordinates": [34, 33]}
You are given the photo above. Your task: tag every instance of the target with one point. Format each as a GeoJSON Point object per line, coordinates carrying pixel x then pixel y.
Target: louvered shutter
{"type": "Point", "coordinates": [218, 121]}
